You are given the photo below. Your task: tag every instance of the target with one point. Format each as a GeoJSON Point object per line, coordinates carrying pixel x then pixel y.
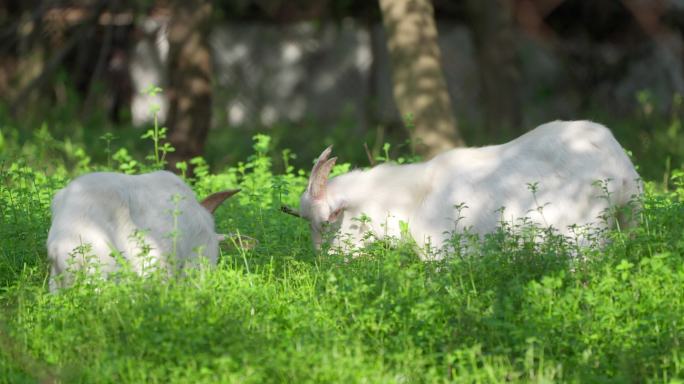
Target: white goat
{"type": "Point", "coordinates": [103, 214]}
{"type": "Point", "coordinates": [562, 159]}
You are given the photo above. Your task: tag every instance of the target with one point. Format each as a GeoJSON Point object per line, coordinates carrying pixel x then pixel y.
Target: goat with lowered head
{"type": "Point", "coordinates": [151, 220]}
{"type": "Point", "coordinates": [562, 159]}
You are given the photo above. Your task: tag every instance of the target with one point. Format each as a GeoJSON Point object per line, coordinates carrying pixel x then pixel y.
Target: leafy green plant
{"type": "Point", "coordinates": [522, 304]}
{"type": "Point", "coordinates": [157, 134]}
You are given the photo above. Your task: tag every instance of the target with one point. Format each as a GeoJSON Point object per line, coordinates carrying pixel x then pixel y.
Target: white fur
{"type": "Point", "coordinates": [104, 210]}
{"type": "Point", "coordinates": [564, 157]}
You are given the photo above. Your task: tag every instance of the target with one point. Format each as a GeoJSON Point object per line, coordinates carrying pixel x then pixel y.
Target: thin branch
{"type": "Point", "coordinates": [289, 211]}
{"type": "Point", "coordinates": [371, 160]}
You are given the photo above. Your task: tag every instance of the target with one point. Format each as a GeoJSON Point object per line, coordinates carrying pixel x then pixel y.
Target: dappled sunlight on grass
{"type": "Point", "coordinates": [506, 307]}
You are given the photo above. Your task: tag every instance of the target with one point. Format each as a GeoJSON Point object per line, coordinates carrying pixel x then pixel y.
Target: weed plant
{"type": "Point", "coordinates": [503, 308]}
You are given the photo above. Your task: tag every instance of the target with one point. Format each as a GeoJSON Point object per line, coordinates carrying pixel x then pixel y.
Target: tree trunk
{"type": "Point", "coordinates": [189, 89]}
{"type": "Point", "coordinates": [491, 22]}
{"type": "Point", "coordinates": [419, 85]}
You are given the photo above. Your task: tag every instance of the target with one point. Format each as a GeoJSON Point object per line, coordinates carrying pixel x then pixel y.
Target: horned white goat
{"type": "Point", "coordinates": [563, 159]}
{"type": "Point", "coordinates": [103, 214]}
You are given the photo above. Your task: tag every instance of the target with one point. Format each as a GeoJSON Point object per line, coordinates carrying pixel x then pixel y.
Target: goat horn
{"type": "Point", "coordinates": [211, 202]}
{"type": "Point", "coordinates": [321, 159]}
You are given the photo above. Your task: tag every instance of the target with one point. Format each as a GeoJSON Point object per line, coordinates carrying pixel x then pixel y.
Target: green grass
{"type": "Point", "coordinates": [512, 310]}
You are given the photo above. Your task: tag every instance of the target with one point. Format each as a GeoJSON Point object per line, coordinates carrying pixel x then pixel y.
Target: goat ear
{"type": "Point", "coordinates": [335, 215]}
{"type": "Point", "coordinates": [211, 202]}
{"type": "Point", "coordinates": [338, 209]}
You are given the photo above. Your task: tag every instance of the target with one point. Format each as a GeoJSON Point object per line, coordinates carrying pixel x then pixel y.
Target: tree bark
{"type": "Point", "coordinates": [419, 85]}
{"type": "Point", "coordinates": [491, 22]}
{"type": "Point", "coordinates": [190, 71]}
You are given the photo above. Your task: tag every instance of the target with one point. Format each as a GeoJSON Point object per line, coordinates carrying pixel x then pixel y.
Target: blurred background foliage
{"type": "Point", "coordinates": [314, 73]}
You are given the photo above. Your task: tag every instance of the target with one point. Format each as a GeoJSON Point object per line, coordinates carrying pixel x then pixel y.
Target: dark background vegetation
{"type": "Point", "coordinates": [72, 68]}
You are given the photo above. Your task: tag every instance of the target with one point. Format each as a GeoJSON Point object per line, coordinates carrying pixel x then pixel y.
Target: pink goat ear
{"type": "Point", "coordinates": [335, 215]}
